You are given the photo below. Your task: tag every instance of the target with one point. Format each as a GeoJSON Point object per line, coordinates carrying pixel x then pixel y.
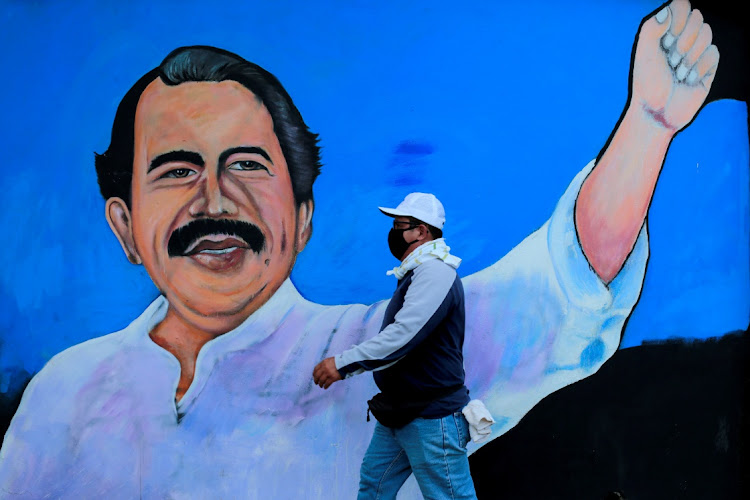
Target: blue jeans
{"type": "Point", "coordinates": [434, 449]}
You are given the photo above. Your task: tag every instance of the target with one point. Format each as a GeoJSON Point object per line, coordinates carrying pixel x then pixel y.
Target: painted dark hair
{"type": "Point", "coordinates": [114, 168]}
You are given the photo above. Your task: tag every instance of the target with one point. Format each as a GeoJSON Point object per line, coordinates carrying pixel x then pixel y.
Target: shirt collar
{"type": "Point", "coordinates": [256, 328]}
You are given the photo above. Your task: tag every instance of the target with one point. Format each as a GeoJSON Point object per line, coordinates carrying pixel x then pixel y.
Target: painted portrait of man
{"type": "Point", "coordinates": [209, 182]}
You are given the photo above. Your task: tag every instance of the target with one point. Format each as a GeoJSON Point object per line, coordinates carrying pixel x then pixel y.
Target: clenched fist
{"type": "Point", "coordinates": [675, 64]}
{"type": "Point", "coordinates": [325, 373]}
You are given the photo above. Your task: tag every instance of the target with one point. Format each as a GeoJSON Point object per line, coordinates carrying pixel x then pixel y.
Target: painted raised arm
{"type": "Point", "coordinates": [674, 66]}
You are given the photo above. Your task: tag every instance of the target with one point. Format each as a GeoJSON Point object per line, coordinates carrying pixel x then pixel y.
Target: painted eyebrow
{"type": "Point", "coordinates": [182, 156]}
{"type": "Point", "coordinates": [244, 149]}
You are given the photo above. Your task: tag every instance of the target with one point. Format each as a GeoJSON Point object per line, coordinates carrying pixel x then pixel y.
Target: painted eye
{"type": "Point", "coordinates": [246, 165]}
{"type": "Point", "coordinates": [178, 173]}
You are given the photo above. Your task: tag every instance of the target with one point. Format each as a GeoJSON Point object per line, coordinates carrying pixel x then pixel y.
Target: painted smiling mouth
{"type": "Point", "coordinates": [219, 252]}
{"type": "Point", "coordinates": [220, 247]}
{"type": "Point", "coordinates": [215, 237]}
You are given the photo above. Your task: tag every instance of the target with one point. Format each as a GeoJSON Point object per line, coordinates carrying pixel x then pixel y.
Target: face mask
{"type": "Point", "coordinates": [397, 243]}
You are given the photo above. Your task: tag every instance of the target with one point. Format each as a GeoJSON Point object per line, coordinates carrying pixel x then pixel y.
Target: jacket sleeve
{"type": "Point", "coordinates": [427, 302]}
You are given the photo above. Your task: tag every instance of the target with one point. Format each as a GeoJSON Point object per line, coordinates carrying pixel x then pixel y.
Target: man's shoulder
{"type": "Point", "coordinates": [97, 346]}
{"type": "Point", "coordinates": [76, 364]}
{"type": "Point", "coordinates": [130, 342]}
{"type": "Point", "coordinates": [436, 269]}
{"type": "Point", "coordinates": [71, 384]}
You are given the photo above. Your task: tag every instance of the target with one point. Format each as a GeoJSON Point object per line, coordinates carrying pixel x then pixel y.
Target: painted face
{"type": "Point", "coordinates": [213, 216]}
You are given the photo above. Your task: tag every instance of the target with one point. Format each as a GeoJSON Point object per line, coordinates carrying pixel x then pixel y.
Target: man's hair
{"type": "Point", "coordinates": [434, 231]}
{"type": "Point", "coordinates": [114, 168]}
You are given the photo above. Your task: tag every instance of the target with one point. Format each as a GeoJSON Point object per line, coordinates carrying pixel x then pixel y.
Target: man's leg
{"type": "Point", "coordinates": [384, 468]}
{"type": "Point", "coordinates": [436, 449]}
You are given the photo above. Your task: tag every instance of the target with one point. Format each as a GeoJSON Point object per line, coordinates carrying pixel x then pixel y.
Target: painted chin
{"type": "Point", "coordinates": [224, 260]}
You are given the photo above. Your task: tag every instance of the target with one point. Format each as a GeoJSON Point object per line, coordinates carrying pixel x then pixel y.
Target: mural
{"type": "Point", "coordinates": [207, 176]}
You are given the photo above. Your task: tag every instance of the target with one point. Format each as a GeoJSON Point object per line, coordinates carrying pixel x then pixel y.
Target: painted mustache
{"type": "Point", "coordinates": [183, 238]}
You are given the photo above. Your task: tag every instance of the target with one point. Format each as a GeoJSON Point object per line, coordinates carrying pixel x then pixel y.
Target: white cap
{"type": "Point", "coordinates": [423, 206]}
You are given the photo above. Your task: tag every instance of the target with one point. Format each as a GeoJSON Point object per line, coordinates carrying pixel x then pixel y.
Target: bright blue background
{"type": "Point", "coordinates": [493, 108]}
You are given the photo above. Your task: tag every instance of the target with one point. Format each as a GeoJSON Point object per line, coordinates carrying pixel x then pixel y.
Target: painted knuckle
{"type": "Point", "coordinates": [706, 28]}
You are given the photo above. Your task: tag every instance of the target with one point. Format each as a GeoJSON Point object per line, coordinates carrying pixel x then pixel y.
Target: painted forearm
{"type": "Point", "coordinates": [673, 68]}
{"type": "Point", "coordinates": [614, 199]}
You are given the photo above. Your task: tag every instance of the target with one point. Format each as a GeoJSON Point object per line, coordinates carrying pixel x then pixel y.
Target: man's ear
{"type": "Point", "coordinates": [424, 233]}
{"type": "Point", "coordinates": [118, 217]}
{"type": "Point", "coordinates": [304, 223]}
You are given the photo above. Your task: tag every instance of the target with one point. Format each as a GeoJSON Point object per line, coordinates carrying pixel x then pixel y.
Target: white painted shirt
{"type": "Point", "coordinates": [100, 420]}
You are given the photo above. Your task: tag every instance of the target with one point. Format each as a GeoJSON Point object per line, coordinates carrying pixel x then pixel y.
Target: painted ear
{"type": "Point", "coordinates": [304, 223]}
{"type": "Point", "coordinates": [118, 217]}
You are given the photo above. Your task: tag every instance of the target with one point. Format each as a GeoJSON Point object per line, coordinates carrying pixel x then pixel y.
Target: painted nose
{"type": "Point", "coordinates": [212, 201]}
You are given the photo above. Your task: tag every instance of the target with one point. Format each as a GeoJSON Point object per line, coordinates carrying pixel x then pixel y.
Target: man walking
{"type": "Point", "coordinates": [417, 362]}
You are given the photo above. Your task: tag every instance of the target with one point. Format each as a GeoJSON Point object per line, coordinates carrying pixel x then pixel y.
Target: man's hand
{"type": "Point", "coordinates": [674, 65]}
{"type": "Point", "coordinates": [325, 373]}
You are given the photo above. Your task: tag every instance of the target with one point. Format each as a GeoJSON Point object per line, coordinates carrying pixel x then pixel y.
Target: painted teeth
{"type": "Point", "coordinates": [219, 251]}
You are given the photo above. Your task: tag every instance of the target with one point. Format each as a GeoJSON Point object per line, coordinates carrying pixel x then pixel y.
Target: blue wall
{"type": "Point", "coordinates": [493, 108]}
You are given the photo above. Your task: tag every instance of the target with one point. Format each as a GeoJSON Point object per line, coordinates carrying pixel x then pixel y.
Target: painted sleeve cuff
{"type": "Point", "coordinates": [579, 282]}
